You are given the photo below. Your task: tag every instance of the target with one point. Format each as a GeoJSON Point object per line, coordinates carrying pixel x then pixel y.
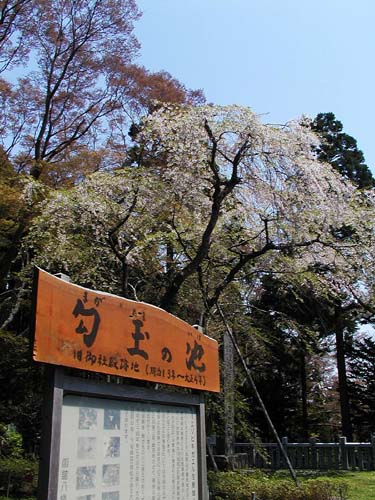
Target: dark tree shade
{"type": "Point", "coordinates": [362, 386]}
{"type": "Point", "coordinates": [289, 372]}
{"type": "Point", "coordinates": [341, 151]}
{"type": "Point", "coordinates": [21, 389]}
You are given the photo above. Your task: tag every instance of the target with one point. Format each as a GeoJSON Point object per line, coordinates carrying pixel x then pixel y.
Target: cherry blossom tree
{"type": "Point", "coordinates": [266, 193]}
{"type": "Point", "coordinates": [228, 197]}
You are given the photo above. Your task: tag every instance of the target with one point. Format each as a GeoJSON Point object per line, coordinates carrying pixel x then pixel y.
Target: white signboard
{"type": "Point", "coordinates": [123, 450]}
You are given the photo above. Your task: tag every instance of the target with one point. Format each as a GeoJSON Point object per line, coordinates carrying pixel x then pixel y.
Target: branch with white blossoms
{"type": "Point", "coordinates": [265, 179]}
{"type": "Point", "coordinates": [220, 194]}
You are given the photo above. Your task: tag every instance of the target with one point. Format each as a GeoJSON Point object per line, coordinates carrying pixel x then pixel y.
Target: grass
{"type": "Point", "coordinates": [361, 484]}
{"type": "Point", "coordinates": [348, 485]}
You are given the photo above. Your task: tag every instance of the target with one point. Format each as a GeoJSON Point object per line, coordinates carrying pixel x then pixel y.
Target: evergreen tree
{"type": "Point", "coordinates": [361, 385]}
{"type": "Point", "coordinates": [341, 151]}
{"type": "Point", "coordinates": [291, 318]}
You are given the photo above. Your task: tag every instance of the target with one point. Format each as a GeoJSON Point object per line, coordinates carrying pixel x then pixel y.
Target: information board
{"type": "Point", "coordinates": [90, 330]}
{"type": "Point", "coordinates": [121, 450]}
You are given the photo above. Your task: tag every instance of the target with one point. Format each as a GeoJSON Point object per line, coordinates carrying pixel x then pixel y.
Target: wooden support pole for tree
{"type": "Point", "coordinates": [258, 396]}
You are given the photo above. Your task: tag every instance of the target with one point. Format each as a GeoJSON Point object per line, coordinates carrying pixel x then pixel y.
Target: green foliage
{"type": "Point", "coordinates": [239, 486]}
{"type": "Point", "coordinates": [18, 476]}
{"type": "Point", "coordinates": [10, 441]}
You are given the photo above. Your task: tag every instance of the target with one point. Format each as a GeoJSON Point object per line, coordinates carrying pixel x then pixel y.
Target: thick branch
{"type": "Point", "coordinates": [244, 259]}
{"type": "Point", "coordinates": [222, 188]}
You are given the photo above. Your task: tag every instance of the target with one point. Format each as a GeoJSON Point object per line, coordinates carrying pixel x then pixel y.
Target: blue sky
{"type": "Point", "coordinates": [281, 58]}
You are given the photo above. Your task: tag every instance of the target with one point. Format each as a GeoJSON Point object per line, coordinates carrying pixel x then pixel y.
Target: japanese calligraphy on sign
{"type": "Point", "coordinates": [115, 450]}
{"type": "Point", "coordinates": [100, 332]}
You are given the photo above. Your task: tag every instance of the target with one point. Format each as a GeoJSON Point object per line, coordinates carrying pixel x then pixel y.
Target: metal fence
{"type": "Point", "coordinates": [312, 455]}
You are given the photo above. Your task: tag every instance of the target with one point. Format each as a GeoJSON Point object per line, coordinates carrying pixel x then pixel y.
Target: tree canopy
{"type": "Point", "coordinates": [226, 194]}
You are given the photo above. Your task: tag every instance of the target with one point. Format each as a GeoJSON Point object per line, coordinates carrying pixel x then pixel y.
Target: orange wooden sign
{"type": "Point", "coordinates": [96, 331]}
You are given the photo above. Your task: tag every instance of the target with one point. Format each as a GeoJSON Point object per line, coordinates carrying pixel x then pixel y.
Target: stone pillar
{"type": "Point", "coordinates": [228, 395]}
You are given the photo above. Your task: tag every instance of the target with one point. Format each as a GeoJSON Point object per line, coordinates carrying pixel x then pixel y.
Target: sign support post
{"type": "Point", "coordinates": [51, 433]}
